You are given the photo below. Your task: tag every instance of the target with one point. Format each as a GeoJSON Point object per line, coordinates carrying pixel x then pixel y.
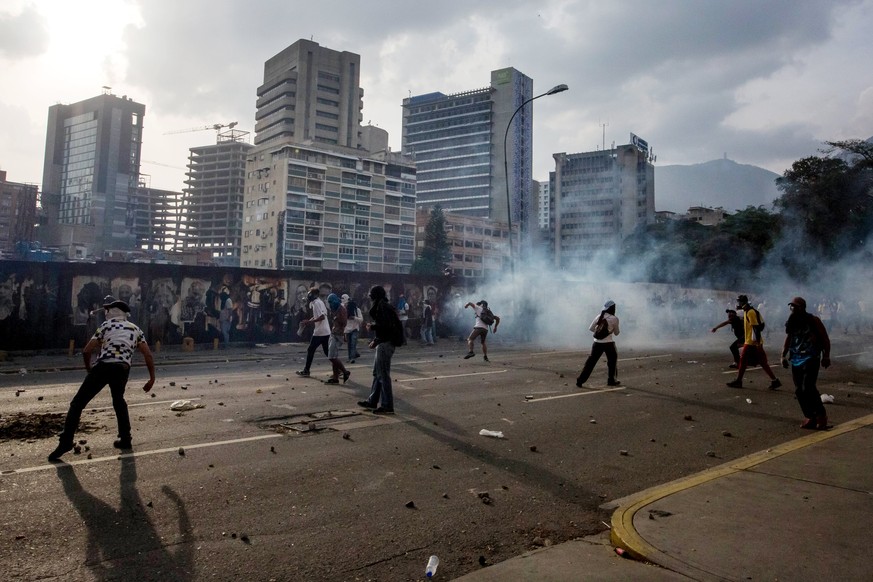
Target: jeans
{"type": "Point", "coordinates": [597, 350]}
{"type": "Point", "coordinates": [353, 345]}
{"type": "Point", "coordinates": [427, 334]}
{"type": "Point", "coordinates": [317, 340]}
{"type": "Point", "coordinates": [101, 374]}
{"type": "Point", "coordinates": [382, 389]}
{"type": "Point", "coordinates": [805, 376]}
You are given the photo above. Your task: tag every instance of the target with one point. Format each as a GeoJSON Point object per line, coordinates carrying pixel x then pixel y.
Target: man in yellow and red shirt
{"type": "Point", "coordinates": [753, 348]}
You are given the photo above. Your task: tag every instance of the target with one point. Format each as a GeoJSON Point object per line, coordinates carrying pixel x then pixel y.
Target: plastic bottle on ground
{"type": "Point", "coordinates": [431, 568]}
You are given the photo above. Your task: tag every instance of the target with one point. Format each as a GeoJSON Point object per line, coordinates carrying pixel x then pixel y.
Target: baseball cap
{"type": "Point", "coordinates": [798, 302]}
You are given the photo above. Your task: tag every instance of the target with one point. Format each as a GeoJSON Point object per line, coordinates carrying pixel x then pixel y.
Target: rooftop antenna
{"type": "Point", "coordinates": [603, 125]}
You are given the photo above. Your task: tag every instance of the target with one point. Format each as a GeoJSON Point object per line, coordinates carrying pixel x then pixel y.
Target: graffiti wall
{"type": "Point", "coordinates": [45, 305]}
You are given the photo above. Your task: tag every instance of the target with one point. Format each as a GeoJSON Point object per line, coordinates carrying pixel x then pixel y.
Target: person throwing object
{"type": "Point", "coordinates": [114, 343]}
{"type": "Point", "coordinates": [484, 318]}
{"type": "Point", "coordinates": [604, 327]}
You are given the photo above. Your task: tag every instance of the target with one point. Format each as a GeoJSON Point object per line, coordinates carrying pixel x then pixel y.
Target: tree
{"type": "Point", "coordinates": [436, 252]}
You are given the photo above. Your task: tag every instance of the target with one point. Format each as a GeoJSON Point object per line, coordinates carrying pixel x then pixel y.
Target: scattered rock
{"type": "Point", "coordinates": [172, 383]}
{"type": "Point", "coordinates": [659, 513]}
{"type": "Point", "coordinates": [726, 433]}
{"type": "Point", "coordinates": [437, 467]}
{"type": "Point", "coordinates": [482, 561]}
{"type": "Point", "coordinates": [592, 421]}
{"type": "Point", "coordinates": [410, 504]}
{"type": "Point", "coordinates": [533, 448]}
{"type": "Point", "coordinates": [149, 504]}
{"type": "Point", "coordinates": [39, 397]}
{"type": "Point", "coordinates": [710, 453]}
{"type": "Point", "coordinates": [181, 452]}
{"type": "Point", "coordinates": [445, 495]}
{"type": "Point", "coordinates": [347, 436]}
{"type": "Point", "coordinates": [688, 417]}
{"type": "Point", "coordinates": [273, 450]}
{"type": "Point", "coordinates": [623, 453]}
{"type": "Point", "coordinates": [245, 539]}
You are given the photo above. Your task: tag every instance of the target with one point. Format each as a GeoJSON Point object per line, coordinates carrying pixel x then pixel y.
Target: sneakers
{"type": "Point", "coordinates": [775, 384]}
{"type": "Point", "coordinates": [486, 358]}
{"type": "Point", "coordinates": [469, 355]}
{"type": "Point", "coordinates": [62, 448]}
{"type": "Point", "coordinates": [352, 361]}
{"type": "Point", "coordinates": [733, 366]}
{"type": "Point", "coordinates": [302, 372]}
{"type": "Point", "coordinates": [123, 444]}
{"type": "Point", "coordinates": [331, 381]}
{"type": "Point", "coordinates": [808, 423]}
{"type": "Point", "coordinates": [736, 384]}
{"type": "Point", "coordinates": [346, 375]}
{"type": "Point", "coordinates": [383, 410]}
{"type": "Point", "coordinates": [614, 383]}
{"type": "Point", "coordinates": [366, 404]}
{"type": "Point", "coordinates": [821, 422]}
{"type": "Point", "coordinates": [578, 382]}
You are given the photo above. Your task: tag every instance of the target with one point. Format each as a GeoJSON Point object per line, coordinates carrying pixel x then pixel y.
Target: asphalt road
{"type": "Point", "coordinates": [279, 477]}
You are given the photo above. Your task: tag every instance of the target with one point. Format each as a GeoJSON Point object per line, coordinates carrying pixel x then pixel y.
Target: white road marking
{"type": "Point", "coordinates": [574, 394]}
{"type": "Point", "coordinates": [644, 357]}
{"type": "Point", "coordinates": [407, 380]}
{"type": "Point", "coordinates": [850, 355]}
{"type": "Point", "coordinates": [141, 454]}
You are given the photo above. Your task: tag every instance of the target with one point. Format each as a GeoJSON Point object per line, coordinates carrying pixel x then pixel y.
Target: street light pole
{"type": "Point", "coordinates": [552, 91]}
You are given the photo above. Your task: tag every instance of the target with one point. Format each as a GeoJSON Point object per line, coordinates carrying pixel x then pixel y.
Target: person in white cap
{"type": "Point", "coordinates": [604, 343]}
{"type": "Point", "coordinates": [114, 343]}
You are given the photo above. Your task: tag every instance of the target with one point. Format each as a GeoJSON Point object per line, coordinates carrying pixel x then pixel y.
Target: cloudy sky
{"type": "Point", "coordinates": [764, 82]}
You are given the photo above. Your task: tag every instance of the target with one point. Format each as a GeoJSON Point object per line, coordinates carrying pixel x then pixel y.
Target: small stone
{"type": "Point", "coordinates": [437, 467]}
{"type": "Point", "coordinates": [533, 448]}
{"type": "Point", "coordinates": [710, 453]}
{"type": "Point", "coordinates": [150, 504]}
{"type": "Point", "coordinates": [726, 433]}
{"type": "Point", "coordinates": [688, 417]}
{"type": "Point", "coordinates": [273, 450]}
{"type": "Point", "coordinates": [410, 504]}
{"type": "Point", "coordinates": [347, 436]}
{"type": "Point", "coordinates": [89, 456]}
{"type": "Point", "coordinates": [39, 397]}
{"type": "Point", "coordinates": [245, 539]}
{"type": "Point", "coordinates": [623, 453]}
{"type": "Point", "coordinates": [153, 394]}
{"type": "Point", "coordinates": [592, 421]}
{"type": "Point", "coordinates": [77, 450]}
{"type": "Point", "coordinates": [172, 383]}
{"type": "Point", "coordinates": [481, 558]}
{"type": "Point", "coordinates": [221, 403]}
{"type": "Point", "coordinates": [445, 495]}
{"type": "Point", "coordinates": [181, 452]}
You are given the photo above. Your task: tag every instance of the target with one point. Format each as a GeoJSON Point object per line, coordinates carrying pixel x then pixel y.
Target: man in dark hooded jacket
{"type": "Point", "coordinates": [807, 347]}
{"type": "Point", "coordinates": [388, 335]}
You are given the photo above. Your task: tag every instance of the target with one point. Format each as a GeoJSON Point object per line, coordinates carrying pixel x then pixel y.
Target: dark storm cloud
{"type": "Point", "coordinates": [23, 34]}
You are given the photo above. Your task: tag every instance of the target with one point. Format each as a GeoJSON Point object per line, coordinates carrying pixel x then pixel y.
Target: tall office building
{"type": "Point", "coordinates": [91, 173]}
{"type": "Point", "coordinates": [598, 198]}
{"type": "Point", "coordinates": [311, 94]}
{"type": "Point", "coordinates": [17, 214]}
{"type": "Point", "coordinates": [457, 142]}
{"type": "Point", "coordinates": [212, 201]}
{"type": "Point", "coordinates": [157, 223]}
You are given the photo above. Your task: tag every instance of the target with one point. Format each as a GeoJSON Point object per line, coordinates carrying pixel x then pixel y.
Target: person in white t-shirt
{"type": "Point", "coordinates": [480, 327]}
{"type": "Point", "coordinates": [321, 333]}
{"type": "Point", "coordinates": [604, 345]}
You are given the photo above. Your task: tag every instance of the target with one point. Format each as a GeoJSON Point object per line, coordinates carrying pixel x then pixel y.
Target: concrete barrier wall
{"type": "Point", "coordinates": [45, 305]}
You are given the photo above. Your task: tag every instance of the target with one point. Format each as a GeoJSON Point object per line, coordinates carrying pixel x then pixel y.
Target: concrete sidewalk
{"type": "Point", "coordinates": [799, 511]}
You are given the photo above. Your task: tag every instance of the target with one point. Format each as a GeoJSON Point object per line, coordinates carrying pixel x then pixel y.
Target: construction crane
{"type": "Point", "coordinates": [215, 126]}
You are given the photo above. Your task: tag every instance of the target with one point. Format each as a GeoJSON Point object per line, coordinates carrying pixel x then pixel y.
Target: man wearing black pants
{"type": "Point", "coordinates": [116, 338]}
{"type": "Point", "coordinates": [604, 345]}
{"type": "Point", "coordinates": [321, 333]}
{"type": "Point", "coordinates": [807, 348]}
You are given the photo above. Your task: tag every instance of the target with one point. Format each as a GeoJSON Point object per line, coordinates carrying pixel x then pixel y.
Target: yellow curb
{"type": "Point", "coordinates": [624, 535]}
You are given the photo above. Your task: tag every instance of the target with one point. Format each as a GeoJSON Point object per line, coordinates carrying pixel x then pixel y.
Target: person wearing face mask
{"type": "Point", "coordinates": [107, 359]}
{"type": "Point", "coordinates": [321, 333]}
{"type": "Point", "coordinates": [807, 348]}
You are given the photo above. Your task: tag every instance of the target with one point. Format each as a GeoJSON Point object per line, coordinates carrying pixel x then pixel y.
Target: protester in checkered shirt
{"type": "Point", "coordinates": [107, 359]}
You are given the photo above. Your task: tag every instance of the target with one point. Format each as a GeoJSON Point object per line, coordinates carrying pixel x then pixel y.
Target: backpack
{"type": "Point", "coordinates": [398, 338]}
{"type": "Point", "coordinates": [601, 330]}
{"type": "Point", "coordinates": [487, 317]}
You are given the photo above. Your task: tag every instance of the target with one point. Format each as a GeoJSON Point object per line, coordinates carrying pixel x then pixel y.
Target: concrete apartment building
{"type": "Point", "coordinates": [158, 223]}
{"type": "Point", "coordinates": [598, 198]}
{"type": "Point", "coordinates": [321, 191]}
{"type": "Point", "coordinates": [212, 201]}
{"type": "Point", "coordinates": [310, 94]}
{"type": "Point", "coordinates": [17, 213]}
{"type": "Point", "coordinates": [91, 173]}
{"type": "Point", "coordinates": [310, 208]}
{"type": "Point", "coordinates": [457, 143]}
